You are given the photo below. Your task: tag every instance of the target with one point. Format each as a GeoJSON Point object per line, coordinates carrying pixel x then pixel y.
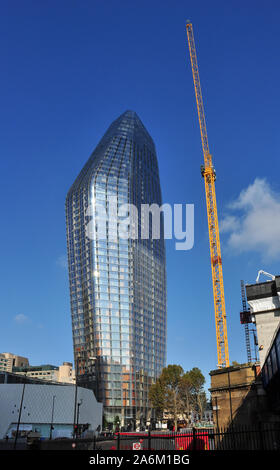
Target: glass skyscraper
{"type": "Point", "coordinates": [117, 283]}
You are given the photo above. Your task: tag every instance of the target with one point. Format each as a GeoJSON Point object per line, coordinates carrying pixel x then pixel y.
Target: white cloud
{"type": "Point", "coordinates": [229, 223]}
{"type": "Point", "coordinates": [254, 221]}
{"type": "Point", "coordinates": [20, 318]}
{"type": "Point", "coordinates": [62, 261]}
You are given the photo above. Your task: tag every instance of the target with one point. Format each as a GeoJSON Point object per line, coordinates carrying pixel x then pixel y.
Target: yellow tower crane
{"type": "Point", "coordinates": [209, 175]}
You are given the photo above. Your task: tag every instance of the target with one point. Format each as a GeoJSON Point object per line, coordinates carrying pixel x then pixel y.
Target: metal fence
{"type": "Point", "coordinates": [260, 437]}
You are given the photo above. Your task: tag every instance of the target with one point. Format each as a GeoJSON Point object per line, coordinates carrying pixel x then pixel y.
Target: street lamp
{"type": "Point", "coordinates": [79, 404]}
{"type": "Point", "coordinates": [216, 408]}
{"type": "Point", "coordinates": [76, 391]}
{"type": "Point", "coordinates": [76, 388]}
{"type": "Point", "coordinates": [20, 410]}
{"type": "Point", "coordinates": [52, 417]}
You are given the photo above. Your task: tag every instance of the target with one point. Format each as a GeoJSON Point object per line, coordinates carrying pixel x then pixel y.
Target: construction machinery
{"type": "Point", "coordinates": [246, 319]}
{"type": "Point", "coordinates": [265, 274]}
{"type": "Point", "coordinates": [209, 175]}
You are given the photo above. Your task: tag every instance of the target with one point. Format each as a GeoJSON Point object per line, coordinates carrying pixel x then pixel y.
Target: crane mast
{"type": "Point", "coordinates": [209, 175]}
{"type": "Point", "coordinates": [246, 313]}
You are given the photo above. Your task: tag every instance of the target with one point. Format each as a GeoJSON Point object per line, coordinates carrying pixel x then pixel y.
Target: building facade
{"type": "Point", "coordinates": [6, 364]}
{"type": "Point", "coordinates": [117, 281]}
{"type": "Point", "coordinates": [271, 374]}
{"type": "Point", "coordinates": [12, 363]}
{"type": "Point", "coordinates": [8, 361]}
{"type": "Point", "coordinates": [63, 374]}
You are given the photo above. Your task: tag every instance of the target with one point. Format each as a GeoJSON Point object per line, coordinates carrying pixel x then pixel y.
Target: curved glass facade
{"type": "Point", "coordinates": [117, 284]}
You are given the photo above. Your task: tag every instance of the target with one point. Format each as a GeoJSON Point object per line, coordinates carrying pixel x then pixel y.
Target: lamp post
{"type": "Point", "coordinates": [90, 358]}
{"type": "Point", "coordinates": [217, 408]}
{"type": "Point", "coordinates": [52, 417]}
{"type": "Point", "coordinates": [75, 400]}
{"type": "Point", "coordinates": [229, 391]}
{"type": "Point", "coordinates": [78, 414]}
{"type": "Point", "coordinates": [20, 410]}
{"type": "Point", "coordinates": [125, 408]}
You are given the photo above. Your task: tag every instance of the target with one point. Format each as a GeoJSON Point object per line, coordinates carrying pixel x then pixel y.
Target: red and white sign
{"type": "Point", "coordinates": [136, 446]}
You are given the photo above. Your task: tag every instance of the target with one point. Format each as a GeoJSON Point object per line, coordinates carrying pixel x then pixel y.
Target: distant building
{"type": "Point", "coordinates": [9, 360]}
{"type": "Point", "coordinates": [61, 374]}
{"type": "Point", "coordinates": [193, 418]}
{"type": "Point", "coordinates": [207, 416]}
{"type": "Point", "coordinates": [5, 363]}
{"type": "Point", "coordinates": [66, 373]}
{"type": "Point", "coordinates": [20, 365]}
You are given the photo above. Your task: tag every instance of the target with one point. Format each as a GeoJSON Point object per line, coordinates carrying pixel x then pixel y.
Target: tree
{"type": "Point", "coordinates": [157, 398]}
{"type": "Point", "coordinates": [186, 399]}
{"type": "Point", "coordinates": [178, 393]}
{"type": "Point", "coordinates": [235, 363]}
{"type": "Point", "coordinates": [171, 379]}
{"type": "Point", "coordinates": [105, 423]}
{"type": "Point", "coordinates": [197, 380]}
{"type": "Point", "coordinates": [117, 423]}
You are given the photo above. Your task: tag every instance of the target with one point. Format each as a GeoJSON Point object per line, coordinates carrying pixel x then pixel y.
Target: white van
{"type": "Point", "coordinates": [62, 433]}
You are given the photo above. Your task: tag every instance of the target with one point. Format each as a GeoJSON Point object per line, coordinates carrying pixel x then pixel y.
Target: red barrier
{"type": "Point", "coordinates": [187, 442]}
{"type": "Point", "coordinates": [182, 441]}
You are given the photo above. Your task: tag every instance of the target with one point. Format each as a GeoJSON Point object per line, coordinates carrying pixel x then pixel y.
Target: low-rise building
{"type": "Point", "coordinates": [62, 374]}
{"type": "Point", "coordinates": [20, 365]}
{"type": "Point", "coordinates": [8, 361]}
{"type": "Point", "coordinates": [66, 373]}
{"type": "Point", "coordinates": [5, 364]}
{"type": "Point", "coordinates": [46, 408]}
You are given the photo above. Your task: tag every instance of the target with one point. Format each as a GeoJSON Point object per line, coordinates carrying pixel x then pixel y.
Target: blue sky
{"type": "Point", "coordinates": [67, 70]}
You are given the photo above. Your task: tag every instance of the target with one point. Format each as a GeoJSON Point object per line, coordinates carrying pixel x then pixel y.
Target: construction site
{"type": "Point", "coordinates": [241, 394]}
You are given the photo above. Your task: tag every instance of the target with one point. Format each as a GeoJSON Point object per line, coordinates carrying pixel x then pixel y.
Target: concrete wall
{"type": "Point", "coordinates": [266, 324]}
{"type": "Point", "coordinates": [264, 301]}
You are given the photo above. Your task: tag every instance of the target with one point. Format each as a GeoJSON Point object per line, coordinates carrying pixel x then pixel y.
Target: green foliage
{"type": "Point", "coordinates": [117, 421]}
{"type": "Point", "coordinates": [235, 363]}
{"type": "Point", "coordinates": [197, 380]}
{"type": "Point", "coordinates": [105, 423]}
{"type": "Point", "coordinates": [157, 398]}
{"type": "Point", "coordinates": [178, 392]}
{"type": "Point", "coordinates": [171, 376]}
